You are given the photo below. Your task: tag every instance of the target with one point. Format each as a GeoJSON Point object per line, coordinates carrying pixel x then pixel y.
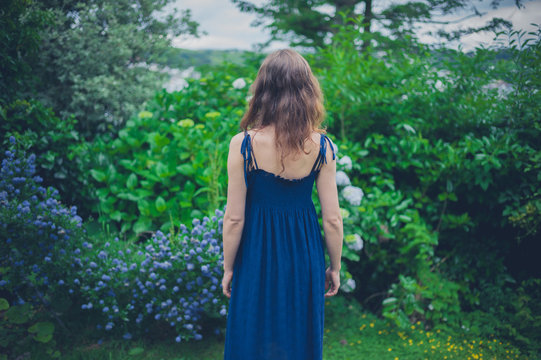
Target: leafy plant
{"type": "Point", "coordinates": [172, 280]}
{"type": "Point", "coordinates": [23, 334]}
{"type": "Point", "coordinates": [168, 165]}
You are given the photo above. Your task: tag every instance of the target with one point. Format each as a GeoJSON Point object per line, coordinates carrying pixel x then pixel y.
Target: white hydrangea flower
{"type": "Point", "coordinates": [353, 195]}
{"type": "Point", "coordinates": [348, 286]}
{"type": "Point", "coordinates": [354, 242]}
{"type": "Point", "coordinates": [342, 179]}
{"type": "Point", "coordinates": [346, 162]}
{"type": "Point", "coordinates": [439, 85]}
{"type": "Point", "coordinates": [239, 83]}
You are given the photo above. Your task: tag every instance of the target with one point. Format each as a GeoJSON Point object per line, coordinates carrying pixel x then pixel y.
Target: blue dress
{"type": "Point", "coordinates": [276, 309]}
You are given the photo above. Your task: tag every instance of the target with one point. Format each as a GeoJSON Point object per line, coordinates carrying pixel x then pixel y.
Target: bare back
{"type": "Point", "coordinates": [267, 155]}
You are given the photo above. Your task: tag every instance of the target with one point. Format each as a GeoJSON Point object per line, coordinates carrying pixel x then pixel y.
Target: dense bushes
{"type": "Point", "coordinates": [57, 146]}
{"type": "Point", "coordinates": [168, 165]}
{"type": "Point", "coordinates": [172, 279]}
{"type": "Point", "coordinates": [38, 230]}
{"type": "Point", "coordinates": [438, 176]}
{"type": "Point", "coordinates": [37, 237]}
{"type": "Point", "coordinates": [449, 172]}
{"type": "Point", "coordinates": [47, 260]}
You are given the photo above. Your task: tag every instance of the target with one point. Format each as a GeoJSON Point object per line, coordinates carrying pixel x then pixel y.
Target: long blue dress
{"type": "Point", "coordinates": [276, 309]}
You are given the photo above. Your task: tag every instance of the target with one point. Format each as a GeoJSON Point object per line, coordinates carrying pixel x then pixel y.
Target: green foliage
{"type": "Point", "coordinates": [522, 116]}
{"type": "Point", "coordinates": [178, 58]}
{"type": "Point", "coordinates": [351, 332]}
{"type": "Point", "coordinates": [20, 26]}
{"type": "Point", "coordinates": [24, 332]}
{"type": "Point", "coordinates": [170, 282]}
{"type": "Point", "coordinates": [312, 23]}
{"type": "Point", "coordinates": [56, 144]}
{"type": "Point", "coordinates": [90, 55]}
{"type": "Point", "coordinates": [168, 164]}
{"type": "Point", "coordinates": [443, 163]}
{"type": "Point", "coordinates": [510, 314]}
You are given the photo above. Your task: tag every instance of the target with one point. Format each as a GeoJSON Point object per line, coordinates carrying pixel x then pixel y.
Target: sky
{"type": "Point", "coordinates": [229, 28]}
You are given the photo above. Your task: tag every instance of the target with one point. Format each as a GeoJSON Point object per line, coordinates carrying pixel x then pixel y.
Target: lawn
{"type": "Point", "coordinates": [350, 333]}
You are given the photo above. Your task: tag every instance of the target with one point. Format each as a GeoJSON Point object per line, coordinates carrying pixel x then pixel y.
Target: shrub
{"type": "Point", "coordinates": [54, 141]}
{"type": "Point", "coordinates": [38, 231]}
{"type": "Point", "coordinates": [26, 331]}
{"type": "Point", "coordinates": [168, 165]}
{"type": "Point", "coordinates": [172, 280]}
{"type": "Point", "coordinates": [37, 237]}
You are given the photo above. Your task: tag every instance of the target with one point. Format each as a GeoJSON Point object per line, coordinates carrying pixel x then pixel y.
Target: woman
{"type": "Point", "coordinates": [274, 263]}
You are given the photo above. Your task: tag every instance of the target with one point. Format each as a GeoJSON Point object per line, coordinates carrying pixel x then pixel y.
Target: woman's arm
{"type": "Point", "coordinates": [330, 209]}
{"type": "Point", "coordinates": [236, 198]}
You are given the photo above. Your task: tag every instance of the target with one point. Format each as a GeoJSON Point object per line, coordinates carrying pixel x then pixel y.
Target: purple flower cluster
{"type": "Point", "coordinates": [172, 278]}
{"type": "Point", "coordinates": [36, 230]}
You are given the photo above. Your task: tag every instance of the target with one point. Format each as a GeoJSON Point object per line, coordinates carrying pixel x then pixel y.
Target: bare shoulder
{"type": "Point", "coordinates": [236, 140]}
{"type": "Point", "coordinates": [313, 142]}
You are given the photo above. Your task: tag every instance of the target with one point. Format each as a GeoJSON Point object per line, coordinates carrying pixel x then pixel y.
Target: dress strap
{"type": "Point", "coordinates": [322, 156]}
{"type": "Point", "coordinates": [248, 155]}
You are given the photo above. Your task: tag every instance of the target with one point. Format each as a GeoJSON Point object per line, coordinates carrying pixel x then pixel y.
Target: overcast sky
{"type": "Point", "coordinates": [229, 28]}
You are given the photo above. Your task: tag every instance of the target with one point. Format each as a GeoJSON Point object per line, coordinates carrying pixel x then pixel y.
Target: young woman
{"type": "Point", "coordinates": [274, 263]}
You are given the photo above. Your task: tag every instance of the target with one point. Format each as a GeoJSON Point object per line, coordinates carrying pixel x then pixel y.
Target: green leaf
{"type": "Point", "coordinates": [405, 218]}
{"type": "Point", "coordinates": [116, 215]}
{"type": "Point", "coordinates": [18, 314]}
{"type": "Point", "coordinates": [185, 204]}
{"type": "Point", "coordinates": [4, 304]}
{"type": "Point", "coordinates": [143, 224]}
{"type": "Point", "coordinates": [157, 140]}
{"type": "Point", "coordinates": [131, 183]}
{"type": "Point", "coordinates": [43, 331]}
{"type": "Point", "coordinates": [161, 206]}
{"type": "Point", "coordinates": [98, 175]}
{"type": "Point", "coordinates": [389, 301]}
{"type": "Point", "coordinates": [185, 169]}
{"type": "Point", "coordinates": [350, 255]}
{"type": "Point", "coordinates": [144, 207]}
{"type": "Point", "coordinates": [162, 170]}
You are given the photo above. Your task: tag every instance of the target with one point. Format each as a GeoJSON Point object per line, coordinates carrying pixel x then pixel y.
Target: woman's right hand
{"type": "Point", "coordinates": [332, 278]}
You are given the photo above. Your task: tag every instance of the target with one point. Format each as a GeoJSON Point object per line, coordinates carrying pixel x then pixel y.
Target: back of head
{"type": "Point", "coordinates": [286, 95]}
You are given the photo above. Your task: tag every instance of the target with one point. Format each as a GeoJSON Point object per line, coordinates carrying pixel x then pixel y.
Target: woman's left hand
{"type": "Point", "coordinates": [226, 283]}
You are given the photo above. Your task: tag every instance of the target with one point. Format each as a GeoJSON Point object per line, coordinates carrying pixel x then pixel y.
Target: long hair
{"type": "Point", "coordinates": [287, 95]}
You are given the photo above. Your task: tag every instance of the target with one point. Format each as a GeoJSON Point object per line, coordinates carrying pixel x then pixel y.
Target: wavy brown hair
{"type": "Point", "coordinates": [287, 95]}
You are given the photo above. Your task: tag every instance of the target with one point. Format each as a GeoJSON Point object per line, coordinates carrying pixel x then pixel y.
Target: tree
{"type": "Point", "coordinates": [310, 23]}
{"type": "Point", "coordinates": [89, 56]}
{"type": "Point", "coordinates": [20, 24]}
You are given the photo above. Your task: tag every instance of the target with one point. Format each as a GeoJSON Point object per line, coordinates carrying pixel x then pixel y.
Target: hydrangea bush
{"type": "Point", "coordinates": [349, 196]}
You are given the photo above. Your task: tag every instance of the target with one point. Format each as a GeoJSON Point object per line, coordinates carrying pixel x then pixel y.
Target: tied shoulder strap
{"type": "Point", "coordinates": [322, 157]}
{"type": "Point", "coordinates": [247, 153]}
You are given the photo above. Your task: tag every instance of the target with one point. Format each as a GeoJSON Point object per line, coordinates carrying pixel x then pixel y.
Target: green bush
{"type": "Point", "coordinates": [55, 143]}
{"type": "Point", "coordinates": [169, 164]}
{"type": "Point", "coordinates": [26, 331]}
{"type": "Point", "coordinates": [450, 180]}
{"type": "Point", "coordinates": [37, 239]}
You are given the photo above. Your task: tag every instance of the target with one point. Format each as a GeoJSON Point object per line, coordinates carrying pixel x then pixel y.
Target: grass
{"type": "Point", "coordinates": [350, 333]}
